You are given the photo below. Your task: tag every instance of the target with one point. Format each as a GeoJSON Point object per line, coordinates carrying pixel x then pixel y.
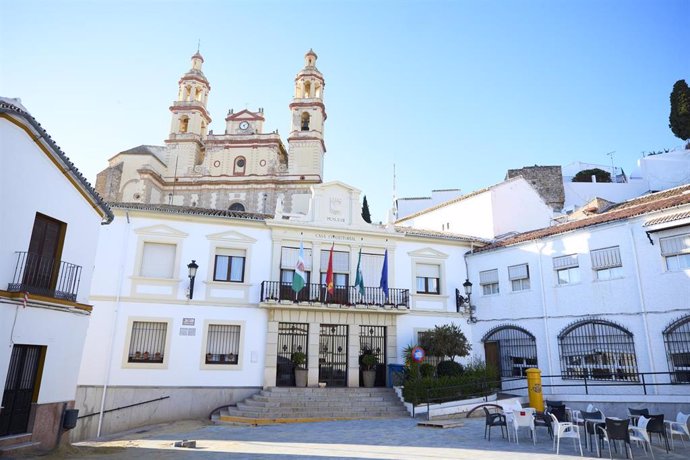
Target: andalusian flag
{"type": "Point", "coordinates": [299, 279]}
{"type": "Point", "coordinates": [384, 274]}
{"type": "Point", "coordinates": [359, 279]}
{"type": "Point", "coordinates": [329, 274]}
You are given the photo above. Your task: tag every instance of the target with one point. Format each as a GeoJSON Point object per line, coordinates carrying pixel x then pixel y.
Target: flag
{"type": "Point", "coordinates": [384, 274]}
{"type": "Point", "coordinates": [359, 278]}
{"type": "Point", "coordinates": [329, 274]}
{"type": "Point", "coordinates": [25, 299]}
{"type": "Point", "coordinates": [299, 278]}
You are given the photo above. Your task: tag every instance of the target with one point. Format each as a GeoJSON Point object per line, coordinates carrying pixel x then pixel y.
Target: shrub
{"type": "Point", "coordinates": [298, 359]}
{"type": "Point", "coordinates": [427, 370]}
{"type": "Point", "coordinates": [449, 368]}
{"type": "Point", "coordinates": [369, 361]}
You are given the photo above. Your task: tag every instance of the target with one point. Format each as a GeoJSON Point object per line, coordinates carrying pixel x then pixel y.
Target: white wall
{"type": "Point", "coordinates": [517, 207]}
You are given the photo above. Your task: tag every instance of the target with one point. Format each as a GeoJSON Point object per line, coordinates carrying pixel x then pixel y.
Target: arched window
{"type": "Point", "coordinates": [305, 121]}
{"type": "Point", "coordinates": [184, 124]}
{"type": "Point", "coordinates": [510, 348]}
{"type": "Point", "coordinates": [240, 166]}
{"type": "Point", "coordinates": [236, 207]}
{"type": "Point", "coordinates": [307, 89]}
{"type": "Point", "coordinates": [597, 349]}
{"type": "Point", "coordinates": [677, 341]}
{"type": "Point", "coordinates": [199, 94]}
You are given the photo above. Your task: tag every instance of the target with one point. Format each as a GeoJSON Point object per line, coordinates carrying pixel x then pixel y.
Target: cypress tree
{"type": "Point", "coordinates": [365, 211]}
{"type": "Point", "coordinates": [679, 119]}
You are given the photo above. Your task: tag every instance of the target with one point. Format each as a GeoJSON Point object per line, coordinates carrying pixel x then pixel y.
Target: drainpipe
{"type": "Point", "coordinates": [120, 278]}
{"type": "Point", "coordinates": [643, 305]}
{"type": "Point", "coordinates": [543, 307]}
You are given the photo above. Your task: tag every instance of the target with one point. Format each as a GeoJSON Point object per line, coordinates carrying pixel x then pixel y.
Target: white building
{"type": "Point", "coordinates": [235, 335]}
{"type": "Point", "coordinates": [49, 221]}
{"type": "Point", "coordinates": [599, 299]}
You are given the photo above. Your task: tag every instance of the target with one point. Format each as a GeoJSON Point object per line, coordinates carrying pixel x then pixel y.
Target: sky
{"type": "Point", "coordinates": [454, 93]}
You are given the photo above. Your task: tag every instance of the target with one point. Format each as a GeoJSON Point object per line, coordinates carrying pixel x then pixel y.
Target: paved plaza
{"type": "Point", "coordinates": [398, 438]}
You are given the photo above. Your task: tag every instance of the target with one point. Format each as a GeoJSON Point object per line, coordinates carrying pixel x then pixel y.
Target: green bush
{"type": "Point", "coordinates": [449, 368]}
{"type": "Point", "coordinates": [427, 370]}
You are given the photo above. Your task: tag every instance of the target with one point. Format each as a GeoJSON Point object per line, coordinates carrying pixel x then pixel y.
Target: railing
{"type": "Point", "coordinates": [45, 276]}
{"type": "Point", "coordinates": [343, 295]}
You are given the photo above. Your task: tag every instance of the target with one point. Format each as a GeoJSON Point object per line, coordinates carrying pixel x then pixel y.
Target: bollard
{"type": "Point", "coordinates": [536, 397]}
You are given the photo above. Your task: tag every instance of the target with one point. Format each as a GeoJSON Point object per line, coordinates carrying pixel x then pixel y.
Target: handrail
{"type": "Point", "coordinates": [46, 276]}
{"type": "Point", "coordinates": [125, 407]}
{"type": "Point", "coordinates": [314, 293]}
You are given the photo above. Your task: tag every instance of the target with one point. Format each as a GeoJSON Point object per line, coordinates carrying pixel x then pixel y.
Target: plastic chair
{"type": "Point", "coordinates": [638, 433]}
{"type": "Point", "coordinates": [559, 412]}
{"type": "Point", "coordinates": [616, 430]}
{"type": "Point", "coordinates": [543, 420]}
{"type": "Point", "coordinates": [656, 425]}
{"type": "Point", "coordinates": [565, 430]}
{"type": "Point", "coordinates": [634, 414]}
{"type": "Point", "coordinates": [679, 427]}
{"type": "Point", "coordinates": [590, 422]}
{"type": "Point", "coordinates": [493, 420]}
{"type": "Point", "coordinates": [524, 418]}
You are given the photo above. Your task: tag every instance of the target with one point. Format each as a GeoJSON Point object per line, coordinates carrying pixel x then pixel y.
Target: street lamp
{"type": "Point", "coordinates": [464, 301]}
{"type": "Point", "coordinates": [192, 267]}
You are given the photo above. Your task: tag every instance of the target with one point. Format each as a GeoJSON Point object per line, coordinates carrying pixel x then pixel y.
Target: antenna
{"type": "Point", "coordinates": [613, 168]}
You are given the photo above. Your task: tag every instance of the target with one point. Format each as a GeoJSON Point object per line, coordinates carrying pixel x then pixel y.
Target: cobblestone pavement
{"type": "Point", "coordinates": [398, 438]}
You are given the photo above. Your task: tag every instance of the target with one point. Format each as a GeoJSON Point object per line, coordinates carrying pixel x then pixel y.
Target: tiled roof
{"type": "Point", "coordinates": [7, 106]}
{"type": "Point", "coordinates": [649, 203]}
{"type": "Point", "coordinates": [156, 150]}
{"type": "Point", "coordinates": [409, 231]}
{"type": "Point", "coordinates": [667, 219]}
{"type": "Point", "coordinates": [459, 198]}
{"type": "Point", "coordinates": [190, 210]}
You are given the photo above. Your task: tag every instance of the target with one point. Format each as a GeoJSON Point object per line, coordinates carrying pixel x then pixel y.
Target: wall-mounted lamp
{"type": "Point", "coordinates": [192, 274]}
{"type": "Point", "coordinates": [463, 302]}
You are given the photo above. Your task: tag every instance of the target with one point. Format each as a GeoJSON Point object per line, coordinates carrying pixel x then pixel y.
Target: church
{"type": "Point", "coordinates": [241, 169]}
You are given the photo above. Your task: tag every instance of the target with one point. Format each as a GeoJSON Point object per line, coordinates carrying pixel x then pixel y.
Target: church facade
{"type": "Point", "coordinates": [241, 169]}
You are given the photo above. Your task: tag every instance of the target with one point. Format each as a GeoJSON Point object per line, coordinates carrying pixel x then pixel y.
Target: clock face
{"type": "Point", "coordinates": [244, 125]}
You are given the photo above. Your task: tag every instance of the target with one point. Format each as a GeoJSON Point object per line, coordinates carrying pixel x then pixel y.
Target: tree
{"type": "Point", "coordinates": [679, 119]}
{"type": "Point", "coordinates": [586, 175]}
{"type": "Point", "coordinates": [447, 340]}
{"type": "Point", "coordinates": [365, 211]}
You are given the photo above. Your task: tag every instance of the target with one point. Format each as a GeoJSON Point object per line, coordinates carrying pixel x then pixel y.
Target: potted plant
{"type": "Point", "coordinates": [299, 359]}
{"type": "Point", "coordinates": [369, 362]}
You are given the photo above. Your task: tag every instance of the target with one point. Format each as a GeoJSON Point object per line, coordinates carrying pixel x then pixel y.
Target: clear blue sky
{"type": "Point", "coordinates": [453, 92]}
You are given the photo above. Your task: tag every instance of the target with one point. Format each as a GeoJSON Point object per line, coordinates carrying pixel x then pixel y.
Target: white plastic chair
{"type": "Point", "coordinates": [565, 430]}
{"type": "Point", "coordinates": [638, 434]}
{"type": "Point", "coordinates": [679, 427]}
{"type": "Point", "coordinates": [524, 418]}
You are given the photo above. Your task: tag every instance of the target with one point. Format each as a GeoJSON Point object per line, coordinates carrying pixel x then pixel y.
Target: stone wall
{"type": "Point", "coordinates": [547, 180]}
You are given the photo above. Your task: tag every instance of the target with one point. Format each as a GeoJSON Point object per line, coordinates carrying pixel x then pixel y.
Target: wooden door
{"type": "Point", "coordinates": [492, 355]}
{"type": "Point", "coordinates": [43, 262]}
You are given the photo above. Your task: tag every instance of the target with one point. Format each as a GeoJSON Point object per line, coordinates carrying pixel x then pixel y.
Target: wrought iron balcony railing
{"type": "Point", "coordinates": [45, 276]}
{"type": "Point", "coordinates": [342, 295]}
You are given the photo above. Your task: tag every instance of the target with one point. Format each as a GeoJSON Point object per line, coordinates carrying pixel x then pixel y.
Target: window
{"type": "Point", "coordinates": [567, 269]}
{"type": "Point", "coordinates": [223, 344]}
{"type": "Point", "coordinates": [288, 260]}
{"type": "Point", "coordinates": [606, 263]}
{"type": "Point", "coordinates": [341, 268]}
{"type": "Point", "coordinates": [676, 252]}
{"type": "Point", "coordinates": [229, 265]}
{"type": "Point", "coordinates": [598, 349]}
{"type": "Point", "coordinates": [428, 278]}
{"type": "Point", "coordinates": [158, 260]}
{"type": "Point", "coordinates": [240, 164]}
{"type": "Point", "coordinates": [236, 207]}
{"type": "Point", "coordinates": [514, 348]}
{"type": "Point", "coordinates": [519, 277]}
{"type": "Point", "coordinates": [147, 342]}
{"type": "Point", "coordinates": [677, 341]}
{"type": "Point", "coordinates": [489, 281]}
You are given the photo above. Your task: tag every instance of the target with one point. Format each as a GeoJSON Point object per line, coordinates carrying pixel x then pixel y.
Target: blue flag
{"type": "Point", "coordinates": [384, 275]}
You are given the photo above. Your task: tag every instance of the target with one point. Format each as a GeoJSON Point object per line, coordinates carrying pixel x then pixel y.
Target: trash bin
{"type": "Point", "coordinates": [395, 369]}
{"type": "Point", "coordinates": [69, 419]}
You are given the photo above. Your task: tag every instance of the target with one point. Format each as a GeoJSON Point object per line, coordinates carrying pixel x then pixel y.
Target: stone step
{"type": "Point", "coordinates": [20, 449]}
{"type": "Point", "coordinates": [15, 439]}
{"type": "Point", "coordinates": [363, 412]}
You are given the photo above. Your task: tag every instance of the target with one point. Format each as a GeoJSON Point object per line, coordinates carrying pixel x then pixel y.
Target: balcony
{"type": "Point", "coordinates": [345, 296]}
{"type": "Point", "coordinates": [45, 277]}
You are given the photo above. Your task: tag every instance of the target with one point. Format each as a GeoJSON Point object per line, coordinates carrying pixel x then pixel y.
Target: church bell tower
{"type": "Point", "coordinates": [306, 147]}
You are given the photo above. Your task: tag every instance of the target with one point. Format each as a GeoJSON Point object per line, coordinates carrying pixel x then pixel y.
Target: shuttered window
{"type": "Point", "coordinates": [606, 258]}
{"type": "Point", "coordinates": [488, 279]}
{"type": "Point", "coordinates": [519, 277]}
{"type": "Point", "coordinates": [565, 262]}
{"type": "Point", "coordinates": [288, 258]}
{"type": "Point", "coordinates": [673, 245]}
{"type": "Point", "coordinates": [341, 261]}
{"type": "Point", "coordinates": [372, 264]}
{"type": "Point", "coordinates": [428, 278]}
{"type": "Point", "coordinates": [158, 260]}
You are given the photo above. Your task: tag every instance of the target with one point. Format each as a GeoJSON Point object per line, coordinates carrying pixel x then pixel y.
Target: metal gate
{"type": "Point", "coordinates": [333, 355]}
{"type": "Point", "coordinates": [20, 389]}
{"type": "Point", "coordinates": [372, 339]}
{"type": "Point", "coordinates": [292, 337]}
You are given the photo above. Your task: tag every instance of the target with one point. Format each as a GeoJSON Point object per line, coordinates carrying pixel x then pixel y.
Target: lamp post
{"type": "Point", "coordinates": [192, 267]}
{"type": "Point", "coordinates": [464, 301]}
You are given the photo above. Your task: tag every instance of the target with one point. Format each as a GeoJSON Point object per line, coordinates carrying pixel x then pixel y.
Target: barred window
{"type": "Point", "coordinates": [147, 342]}
{"type": "Point", "coordinates": [567, 269]}
{"type": "Point", "coordinates": [223, 344]}
{"type": "Point", "coordinates": [428, 277]}
{"type": "Point", "coordinates": [519, 277]}
{"type": "Point", "coordinates": [489, 281]}
{"type": "Point", "coordinates": [676, 252]}
{"type": "Point", "coordinates": [598, 349]}
{"type": "Point", "coordinates": [606, 263]}
{"type": "Point", "coordinates": [517, 349]}
{"type": "Point", "coordinates": [158, 260]}
{"type": "Point", "coordinates": [229, 265]}
{"type": "Point", "coordinates": [677, 341]}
